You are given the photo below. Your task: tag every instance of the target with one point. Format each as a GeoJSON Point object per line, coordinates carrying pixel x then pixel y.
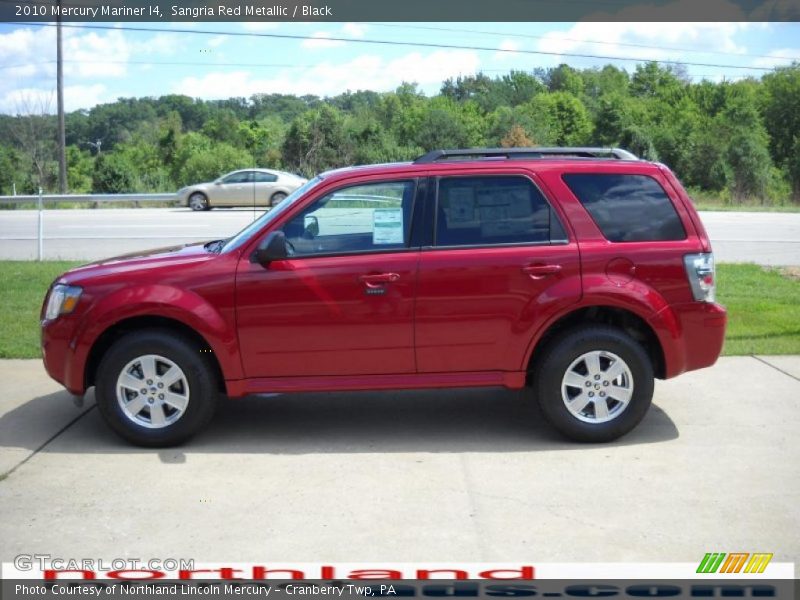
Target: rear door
{"type": "Point", "coordinates": [498, 263]}
{"type": "Point", "coordinates": [265, 184]}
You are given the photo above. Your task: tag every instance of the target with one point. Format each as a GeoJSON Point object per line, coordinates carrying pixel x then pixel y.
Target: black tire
{"type": "Point", "coordinates": [553, 364]}
{"type": "Point", "coordinates": [198, 202]}
{"type": "Point", "coordinates": [199, 374]}
{"type": "Point", "coordinates": [276, 199]}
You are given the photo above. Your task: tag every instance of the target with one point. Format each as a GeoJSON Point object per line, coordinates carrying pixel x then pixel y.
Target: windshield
{"type": "Point", "coordinates": [269, 216]}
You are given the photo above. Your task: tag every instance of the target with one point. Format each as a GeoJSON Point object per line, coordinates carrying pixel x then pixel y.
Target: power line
{"type": "Point", "coordinates": [605, 43]}
{"type": "Point", "coordinates": [288, 36]}
{"type": "Point", "coordinates": [190, 64]}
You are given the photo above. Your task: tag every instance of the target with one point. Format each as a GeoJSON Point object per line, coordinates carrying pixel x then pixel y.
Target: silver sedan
{"type": "Point", "coordinates": [248, 187]}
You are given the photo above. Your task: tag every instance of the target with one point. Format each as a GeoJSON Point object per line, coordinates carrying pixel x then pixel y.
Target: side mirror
{"type": "Point", "coordinates": [218, 182]}
{"type": "Point", "coordinates": [272, 247]}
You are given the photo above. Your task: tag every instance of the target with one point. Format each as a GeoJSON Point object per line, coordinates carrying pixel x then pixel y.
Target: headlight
{"type": "Point", "coordinates": [63, 300]}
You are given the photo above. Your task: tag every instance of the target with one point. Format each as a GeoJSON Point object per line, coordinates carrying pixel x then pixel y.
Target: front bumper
{"type": "Point", "coordinates": [62, 359]}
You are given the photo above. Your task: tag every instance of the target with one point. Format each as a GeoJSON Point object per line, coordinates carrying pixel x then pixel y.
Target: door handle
{"type": "Point", "coordinates": [541, 271]}
{"type": "Point", "coordinates": [378, 279]}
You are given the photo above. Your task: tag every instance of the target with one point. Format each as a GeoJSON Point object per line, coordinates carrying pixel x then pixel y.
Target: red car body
{"type": "Point", "coordinates": [471, 316]}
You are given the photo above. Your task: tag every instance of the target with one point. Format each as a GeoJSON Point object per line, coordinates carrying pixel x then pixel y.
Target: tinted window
{"type": "Point", "coordinates": [493, 210]}
{"type": "Point", "coordinates": [367, 217]}
{"type": "Point", "coordinates": [265, 177]}
{"type": "Point", "coordinates": [627, 208]}
{"type": "Point", "coordinates": [241, 177]}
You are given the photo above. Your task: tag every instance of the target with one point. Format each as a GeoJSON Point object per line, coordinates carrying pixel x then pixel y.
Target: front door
{"type": "Point", "coordinates": [342, 303]}
{"type": "Point", "coordinates": [235, 190]}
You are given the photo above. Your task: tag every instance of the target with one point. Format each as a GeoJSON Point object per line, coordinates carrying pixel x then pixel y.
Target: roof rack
{"type": "Point", "coordinates": [525, 153]}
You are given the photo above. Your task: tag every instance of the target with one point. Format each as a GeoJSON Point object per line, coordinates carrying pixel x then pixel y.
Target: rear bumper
{"type": "Point", "coordinates": [700, 335]}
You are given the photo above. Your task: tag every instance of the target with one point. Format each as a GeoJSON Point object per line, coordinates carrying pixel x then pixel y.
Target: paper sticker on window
{"type": "Point", "coordinates": [462, 205]}
{"type": "Point", "coordinates": [387, 226]}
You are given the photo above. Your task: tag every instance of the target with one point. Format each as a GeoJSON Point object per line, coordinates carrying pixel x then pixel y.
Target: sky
{"type": "Point", "coordinates": [103, 65]}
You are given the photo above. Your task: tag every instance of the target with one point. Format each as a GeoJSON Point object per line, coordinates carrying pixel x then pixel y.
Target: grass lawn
{"type": "Point", "coordinates": [23, 285]}
{"type": "Point", "coordinates": [763, 307]}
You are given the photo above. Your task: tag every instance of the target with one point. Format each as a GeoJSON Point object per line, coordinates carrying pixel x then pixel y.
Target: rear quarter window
{"type": "Point", "coordinates": [627, 208]}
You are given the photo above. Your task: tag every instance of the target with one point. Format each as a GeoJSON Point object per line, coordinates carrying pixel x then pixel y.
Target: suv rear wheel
{"type": "Point", "coordinates": [594, 383]}
{"type": "Point", "coordinates": [155, 389]}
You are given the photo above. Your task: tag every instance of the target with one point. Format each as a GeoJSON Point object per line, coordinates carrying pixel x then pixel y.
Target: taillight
{"type": "Point", "coordinates": [700, 271]}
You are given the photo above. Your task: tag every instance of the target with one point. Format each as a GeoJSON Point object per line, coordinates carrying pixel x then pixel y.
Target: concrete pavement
{"type": "Point", "coordinates": [764, 238]}
{"type": "Point", "coordinates": [457, 475]}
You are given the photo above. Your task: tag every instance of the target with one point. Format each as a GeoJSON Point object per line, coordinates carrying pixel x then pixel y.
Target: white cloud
{"type": "Point", "coordinates": [365, 72]}
{"type": "Point", "coordinates": [84, 51]}
{"type": "Point", "coordinates": [356, 30]}
{"type": "Point", "coordinates": [41, 100]}
{"type": "Point", "coordinates": [658, 37]}
{"type": "Point", "coordinates": [217, 41]}
{"type": "Point", "coordinates": [777, 58]}
{"type": "Point", "coordinates": [506, 49]}
{"type": "Point", "coordinates": [160, 44]}
{"type": "Point", "coordinates": [320, 39]}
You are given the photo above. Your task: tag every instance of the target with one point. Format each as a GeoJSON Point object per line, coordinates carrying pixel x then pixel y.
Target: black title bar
{"type": "Point", "coordinates": [399, 10]}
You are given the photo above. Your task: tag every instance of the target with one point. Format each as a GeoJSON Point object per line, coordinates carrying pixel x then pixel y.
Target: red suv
{"type": "Point", "coordinates": [578, 273]}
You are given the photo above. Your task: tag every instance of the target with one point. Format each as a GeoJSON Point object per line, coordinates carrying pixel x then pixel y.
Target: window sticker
{"type": "Point", "coordinates": [461, 206]}
{"type": "Point", "coordinates": [387, 226]}
{"type": "Point", "coordinates": [505, 213]}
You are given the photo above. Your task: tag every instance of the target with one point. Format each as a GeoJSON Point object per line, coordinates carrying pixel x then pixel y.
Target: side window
{"type": "Point", "coordinates": [627, 208]}
{"type": "Point", "coordinates": [261, 177]}
{"type": "Point", "coordinates": [473, 211]}
{"type": "Point", "coordinates": [241, 177]}
{"type": "Point", "coordinates": [360, 218]}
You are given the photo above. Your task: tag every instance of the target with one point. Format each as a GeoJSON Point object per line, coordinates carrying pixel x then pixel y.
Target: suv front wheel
{"type": "Point", "coordinates": [155, 388]}
{"type": "Point", "coordinates": [594, 383]}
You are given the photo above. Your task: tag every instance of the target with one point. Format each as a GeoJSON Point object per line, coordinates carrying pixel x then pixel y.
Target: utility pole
{"type": "Point", "coordinates": [62, 142]}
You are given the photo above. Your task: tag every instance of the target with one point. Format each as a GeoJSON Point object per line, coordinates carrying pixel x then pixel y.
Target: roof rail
{"type": "Point", "coordinates": [524, 153]}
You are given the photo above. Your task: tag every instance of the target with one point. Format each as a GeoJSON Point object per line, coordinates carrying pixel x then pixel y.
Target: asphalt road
{"type": "Point", "coordinates": [454, 475]}
{"type": "Point", "coordinates": [764, 238]}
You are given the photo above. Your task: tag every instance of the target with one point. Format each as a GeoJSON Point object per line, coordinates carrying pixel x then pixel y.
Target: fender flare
{"type": "Point", "coordinates": [168, 302]}
{"type": "Point", "coordinates": [636, 298]}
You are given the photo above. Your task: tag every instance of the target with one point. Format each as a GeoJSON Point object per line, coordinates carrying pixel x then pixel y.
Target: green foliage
{"type": "Point", "coordinates": [211, 162]}
{"type": "Point", "coordinates": [564, 116]}
{"type": "Point", "coordinates": [317, 141]}
{"type": "Point", "coordinates": [10, 172]}
{"type": "Point", "coordinates": [113, 174]}
{"type": "Point", "coordinates": [737, 142]}
{"type": "Point", "coordinates": [781, 109]}
{"type": "Point", "coordinates": [80, 169]}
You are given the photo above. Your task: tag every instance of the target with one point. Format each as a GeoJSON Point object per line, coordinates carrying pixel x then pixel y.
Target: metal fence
{"type": "Point", "coordinates": [41, 199]}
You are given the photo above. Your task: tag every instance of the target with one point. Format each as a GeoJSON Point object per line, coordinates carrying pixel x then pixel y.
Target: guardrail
{"type": "Point", "coordinates": [41, 198]}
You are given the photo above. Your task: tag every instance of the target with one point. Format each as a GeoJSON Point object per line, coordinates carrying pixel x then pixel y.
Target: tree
{"type": "Point", "coordinates": [34, 131]}
{"type": "Point", "coordinates": [781, 107]}
{"type": "Point", "coordinates": [564, 115]}
{"type": "Point", "coordinates": [113, 174]}
{"type": "Point", "coordinates": [80, 170]}
{"type": "Point", "coordinates": [747, 153]}
{"type": "Point", "coordinates": [317, 141]}
{"type": "Point", "coordinates": [653, 80]}
{"type": "Point", "coordinates": [565, 79]}
{"type": "Point", "coordinates": [516, 138]}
